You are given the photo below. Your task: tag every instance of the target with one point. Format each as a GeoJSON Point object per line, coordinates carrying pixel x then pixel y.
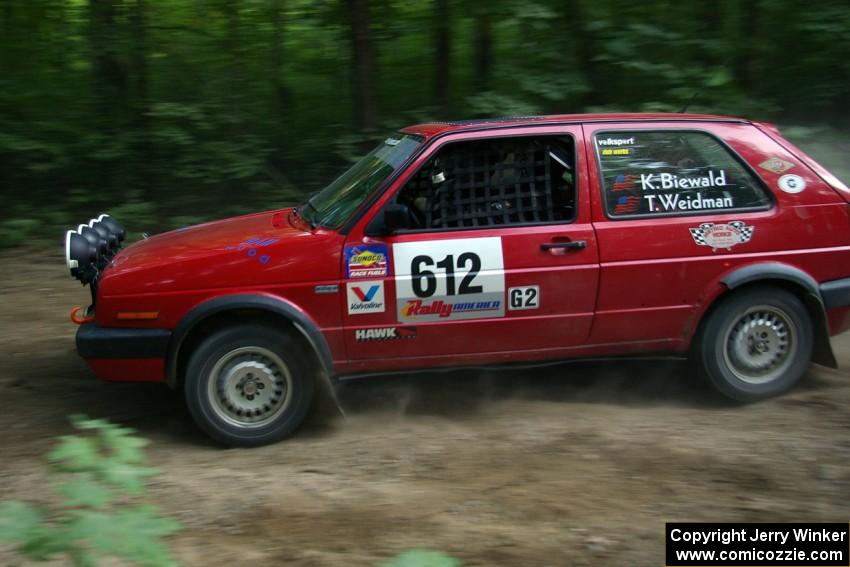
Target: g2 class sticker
{"type": "Point", "coordinates": [525, 297]}
{"type": "Point", "coordinates": [722, 235]}
{"type": "Point", "coordinates": [366, 261]}
{"type": "Point", "coordinates": [792, 183]}
{"type": "Point", "coordinates": [776, 165]}
{"type": "Point", "coordinates": [461, 278]}
{"type": "Point", "coordinates": [365, 297]}
{"type": "Point", "coordinates": [384, 334]}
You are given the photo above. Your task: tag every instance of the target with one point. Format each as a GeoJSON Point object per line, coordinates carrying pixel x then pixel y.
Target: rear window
{"type": "Point", "coordinates": [662, 173]}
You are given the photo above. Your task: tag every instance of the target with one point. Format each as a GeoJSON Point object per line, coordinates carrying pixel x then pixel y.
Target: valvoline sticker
{"type": "Point", "coordinates": [367, 261]}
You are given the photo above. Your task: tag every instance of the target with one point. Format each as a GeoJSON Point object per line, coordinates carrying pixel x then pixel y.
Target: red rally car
{"type": "Point", "coordinates": [483, 242]}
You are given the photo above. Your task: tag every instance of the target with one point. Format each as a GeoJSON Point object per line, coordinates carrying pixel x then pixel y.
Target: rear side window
{"type": "Point", "coordinates": [673, 172]}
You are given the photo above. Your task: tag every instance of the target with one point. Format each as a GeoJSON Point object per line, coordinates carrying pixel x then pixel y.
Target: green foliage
{"type": "Point", "coordinates": [422, 558]}
{"type": "Point", "coordinates": [159, 112]}
{"type": "Point", "coordinates": [101, 476]}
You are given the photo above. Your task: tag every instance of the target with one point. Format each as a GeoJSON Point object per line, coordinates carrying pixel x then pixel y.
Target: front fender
{"type": "Point", "coordinates": [257, 301]}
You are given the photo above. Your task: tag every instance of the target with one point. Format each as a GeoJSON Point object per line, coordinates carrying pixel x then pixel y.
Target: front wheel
{"type": "Point", "coordinates": [757, 343]}
{"type": "Point", "coordinates": [248, 385]}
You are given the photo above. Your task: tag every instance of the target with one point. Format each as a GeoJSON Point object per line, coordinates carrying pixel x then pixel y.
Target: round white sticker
{"type": "Point", "coordinates": [792, 183]}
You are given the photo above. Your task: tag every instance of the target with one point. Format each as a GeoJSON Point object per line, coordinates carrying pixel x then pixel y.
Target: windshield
{"type": "Point", "coordinates": [335, 203]}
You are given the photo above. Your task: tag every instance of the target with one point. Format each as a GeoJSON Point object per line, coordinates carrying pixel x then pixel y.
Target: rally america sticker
{"type": "Point", "coordinates": [384, 334]}
{"type": "Point", "coordinates": [722, 235]}
{"type": "Point", "coordinates": [366, 261]}
{"type": "Point", "coordinates": [776, 165]}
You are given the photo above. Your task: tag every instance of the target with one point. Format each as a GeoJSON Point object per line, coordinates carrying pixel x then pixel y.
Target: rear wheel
{"type": "Point", "coordinates": [249, 385]}
{"type": "Point", "coordinates": [757, 343]}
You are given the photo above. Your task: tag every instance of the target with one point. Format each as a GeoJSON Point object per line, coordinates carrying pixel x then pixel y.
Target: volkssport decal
{"type": "Point", "coordinates": [461, 278]}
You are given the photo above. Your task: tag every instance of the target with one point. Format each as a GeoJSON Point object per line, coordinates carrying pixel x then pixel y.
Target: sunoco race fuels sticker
{"type": "Point", "coordinates": [443, 280]}
{"type": "Point", "coordinates": [366, 261]}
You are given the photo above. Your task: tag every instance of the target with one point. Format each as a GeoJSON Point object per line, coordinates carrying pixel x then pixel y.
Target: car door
{"type": "Point", "coordinates": [501, 257]}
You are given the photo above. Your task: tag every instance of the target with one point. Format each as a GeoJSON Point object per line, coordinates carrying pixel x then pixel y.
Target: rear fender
{"type": "Point", "coordinates": [793, 279]}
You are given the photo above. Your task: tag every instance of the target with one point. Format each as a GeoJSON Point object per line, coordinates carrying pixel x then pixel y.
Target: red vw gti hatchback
{"type": "Point", "coordinates": [485, 242]}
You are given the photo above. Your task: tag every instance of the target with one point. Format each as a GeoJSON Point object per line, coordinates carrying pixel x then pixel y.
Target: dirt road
{"type": "Point", "coordinates": [573, 465]}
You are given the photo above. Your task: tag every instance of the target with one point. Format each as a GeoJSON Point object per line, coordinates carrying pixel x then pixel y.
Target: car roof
{"type": "Point", "coordinates": [431, 129]}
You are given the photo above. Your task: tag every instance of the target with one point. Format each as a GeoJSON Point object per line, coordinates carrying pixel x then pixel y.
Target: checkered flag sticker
{"type": "Point", "coordinates": [723, 235]}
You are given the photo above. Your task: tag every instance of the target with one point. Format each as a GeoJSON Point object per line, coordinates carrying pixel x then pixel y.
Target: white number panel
{"type": "Point", "coordinates": [442, 280]}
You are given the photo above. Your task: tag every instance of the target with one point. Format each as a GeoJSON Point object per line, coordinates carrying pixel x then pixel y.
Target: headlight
{"type": "Point", "coordinates": [101, 229]}
{"type": "Point", "coordinates": [113, 227]}
{"type": "Point", "coordinates": [94, 238]}
{"type": "Point", "coordinates": [79, 253]}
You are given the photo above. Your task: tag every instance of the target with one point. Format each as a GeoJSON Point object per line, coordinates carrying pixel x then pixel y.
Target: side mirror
{"type": "Point", "coordinates": [393, 218]}
{"type": "Point", "coordinates": [396, 217]}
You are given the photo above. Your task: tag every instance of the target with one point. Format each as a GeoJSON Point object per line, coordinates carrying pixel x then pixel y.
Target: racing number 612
{"type": "Point", "coordinates": [424, 282]}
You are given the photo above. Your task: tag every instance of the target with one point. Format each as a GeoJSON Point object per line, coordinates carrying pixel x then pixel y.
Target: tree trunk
{"type": "Point", "coordinates": [363, 51]}
{"type": "Point", "coordinates": [442, 60]}
{"type": "Point", "coordinates": [141, 104]}
{"type": "Point", "coordinates": [109, 77]}
{"type": "Point", "coordinates": [233, 46]}
{"type": "Point", "coordinates": [585, 51]}
{"type": "Point", "coordinates": [746, 59]}
{"type": "Point", "coordinates": [483, 50]}
{"type": "Point", "coordinates": [279, 93]}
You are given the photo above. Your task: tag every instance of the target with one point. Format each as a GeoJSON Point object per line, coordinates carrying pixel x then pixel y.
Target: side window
{"type": "Point", "coordinates": [673, 173]}
{"type": "Point", "coordinates": [504, 181]}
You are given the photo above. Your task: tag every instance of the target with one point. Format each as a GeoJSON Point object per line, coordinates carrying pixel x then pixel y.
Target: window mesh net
{"type": "Point", "coordinates": [513, 181]}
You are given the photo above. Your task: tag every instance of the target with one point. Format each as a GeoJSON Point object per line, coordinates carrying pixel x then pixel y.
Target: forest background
{"type": "Point", "coordinates": [169, 112]}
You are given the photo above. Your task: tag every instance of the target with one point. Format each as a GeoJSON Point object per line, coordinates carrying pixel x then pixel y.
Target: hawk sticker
{"type": "Point", "coordinates": [776, 165]}
{"type": "Point", "coordinates": [722, 235]}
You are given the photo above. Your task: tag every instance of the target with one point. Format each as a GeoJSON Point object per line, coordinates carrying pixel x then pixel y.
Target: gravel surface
{"type": "Point", "coordinates": [577, 464]}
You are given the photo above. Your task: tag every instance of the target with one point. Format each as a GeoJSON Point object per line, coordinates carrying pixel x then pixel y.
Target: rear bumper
{"type": "Point", "coordinates": [836, 293]}
{"type": "Point", "coordinates": [836, 300]}
{"type": "Point", "coordinates": [136, 355]}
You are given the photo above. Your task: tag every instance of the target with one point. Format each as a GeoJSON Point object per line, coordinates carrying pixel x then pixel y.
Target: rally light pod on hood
{"type": "Point", "coordinates": [106, 234]}
{"type": "Point", "coordinates": [80, 256]}
{"type": "Point", "coordinates": [94, 238]}
{"type": "Point", "coordinates": [112, 225]}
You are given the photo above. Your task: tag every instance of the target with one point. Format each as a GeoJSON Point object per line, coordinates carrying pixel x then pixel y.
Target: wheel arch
{"type": "Point", "coordinates": [787, 277]}
{"type": "Point", "coordinates": [214, 313]}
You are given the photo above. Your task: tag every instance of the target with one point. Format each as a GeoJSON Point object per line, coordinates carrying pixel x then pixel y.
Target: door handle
{"type": "Point", "coordinates": [571, 245]}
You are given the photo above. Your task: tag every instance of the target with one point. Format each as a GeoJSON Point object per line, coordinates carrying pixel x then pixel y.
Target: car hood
{"type": "Point", "coordinates": [241, 251]}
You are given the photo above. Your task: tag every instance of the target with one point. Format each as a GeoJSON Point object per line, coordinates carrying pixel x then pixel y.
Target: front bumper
{"type": "Point", "coordinates": [134, 355]}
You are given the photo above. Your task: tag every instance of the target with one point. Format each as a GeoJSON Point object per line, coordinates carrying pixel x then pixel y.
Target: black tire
{"type": "Point", "coordinates": [756, 344]}
{"type": "Point", "coordinates": [249, 385]}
